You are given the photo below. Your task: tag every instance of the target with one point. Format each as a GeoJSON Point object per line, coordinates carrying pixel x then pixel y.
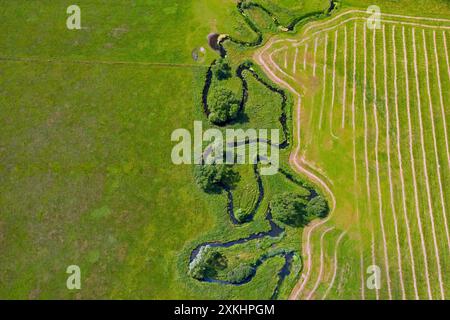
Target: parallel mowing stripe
{"type": "Point", "coordinates": [315, 34]}
{"type": "Point", "coordinates": [444, 34]}
{"type": "Point", "coordinates": [400, 164]}
{"type": "Point", "coordinates": [424, 161]}
{"type": "Point", "coordinates": [366, 155]}
{"type": "Point", "coordinates": [388, 142]}
{"type": "Point", "coordinates": [344, 95]}
{"type": "Point", "coordinates": [438, 165]}
{"type": "Point", "coordinates": [413, 169]}
{"type": "Point", "coordinates": [314, 95]}
{"type": "Point", "coordinates": [324, 80]}
{"type": "Point", "coordinates": [441, 99]}
{"type": "Point", "coordinates": [318, 24]}
{"type": "Point", "coordinates": [304, 56]}
{"type": "Point", "coordinates": [436, 155]}
{"type": "Point", "coordinates": [355, 176]}
{"type": "Point", "coordinates": [333, 84]}
{"type": "Point", "coordinates": [286, 59]}
{"type": "Point", "coordinates": [294, 66]}
{"type": "Point", "coordinates": [377, 167]}
{"type": "Point", "coordinates": [388, 150]}
{"type": "Point", "coordinates": [315, 55]}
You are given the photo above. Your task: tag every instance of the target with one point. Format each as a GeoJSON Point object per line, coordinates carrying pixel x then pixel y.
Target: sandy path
{"type": "Point", "coordinates": [276, 66]}
{"type": "Point", "coordinates": [309, 230]}
{"type": "Point", "coordinates": [319, 277]}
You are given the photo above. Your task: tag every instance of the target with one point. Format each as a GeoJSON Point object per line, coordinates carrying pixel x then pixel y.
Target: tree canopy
{"type": "Point", "coordinates": [317, 207]}
{"type": "Point", "coordinates": [240, 273]}
{"type": "Point", "coordinates": [223, 106]}
{"type": "Point", "coordinates": [212, 178]}
{"type": "Point", "coordinates": [221, 69]}
{"type": "Point", "coordinates": [295, 210]}
{"type": "Point", "coordinates": [207, 263]}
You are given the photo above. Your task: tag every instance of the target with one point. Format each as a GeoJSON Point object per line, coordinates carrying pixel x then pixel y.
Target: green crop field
{"type": "Point", "coordinates": [87, 178]}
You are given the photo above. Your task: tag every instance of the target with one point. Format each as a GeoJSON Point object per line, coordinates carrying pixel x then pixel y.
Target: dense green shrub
{"type": "Point", "coordinates": [317, 207]}
{"type": "Point", "coordinates": [241, 215]}
{"type": "Point", "coordinates": [212, 178]}
{"type": "Point", "coordinates": [207, 262]}
{"type": "Point", "coordinates": [289, 208]}
{"type": "Point", "coordinates": [221, 69]}
{"type": "Point", "coordinates": [223, 106]}
{"type": "Point", "coordinates": [295, 210]}
{"type": "Point", "coordinates": [240, 273]}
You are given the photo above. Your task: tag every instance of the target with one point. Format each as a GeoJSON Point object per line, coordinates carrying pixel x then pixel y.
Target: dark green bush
{"type": "Point", "coordinates": [207, 263]}
{"type": "Point", "coordinates": [222, 69]}
{"type": "Point", "coordinates": [290, 208]}
{"type": "Point", "coordinates": [241, 215]}
{"type": "Point", "coordinates": [295, 210]}
{"type": "Point", "coordinates": [317, 207]}
{"type": "Point", "coordinates": [212, 178]}
{"type": "Point", "coordinates": [240, 273]}
{"type": "Point", "coordinates": [223, 106]}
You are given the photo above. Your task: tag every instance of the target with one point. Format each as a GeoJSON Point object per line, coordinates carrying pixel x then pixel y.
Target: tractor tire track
{"type": "Point", "coordinates": [333, 278]}
{"type": "Point", "coordinates": [319, 277]}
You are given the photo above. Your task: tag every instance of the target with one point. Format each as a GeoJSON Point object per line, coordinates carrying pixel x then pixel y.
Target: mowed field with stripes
{"type": "Point", "coordinates": [372, 117]}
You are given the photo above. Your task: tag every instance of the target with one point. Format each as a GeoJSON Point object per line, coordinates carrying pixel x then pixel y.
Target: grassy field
{"type": "Point", "coordinates": [86, 176]}
{"type": "Point", "coordinates": [374, 129]}
{"type": "Point", "coordinates": [85, 170]}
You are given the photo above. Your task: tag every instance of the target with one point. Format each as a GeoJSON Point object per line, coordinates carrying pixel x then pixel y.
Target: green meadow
{"type": "Point", "coordinates": [86, 176]}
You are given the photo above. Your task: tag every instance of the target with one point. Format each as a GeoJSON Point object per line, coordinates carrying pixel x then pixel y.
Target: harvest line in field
{"type": "Point", "coordinates": [383, 170]}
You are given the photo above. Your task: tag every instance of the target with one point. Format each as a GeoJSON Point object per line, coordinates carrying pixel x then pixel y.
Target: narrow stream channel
{"type": "Point", "coordinates": [275, 230]}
